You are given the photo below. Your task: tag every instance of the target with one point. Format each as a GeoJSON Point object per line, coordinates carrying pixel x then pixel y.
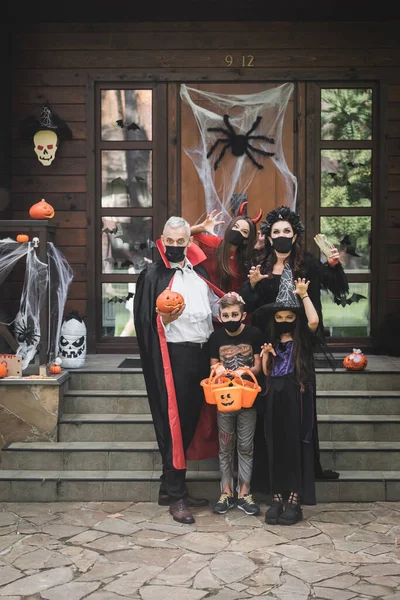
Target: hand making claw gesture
{"type": "Point", "coordinates": [210, 222]}
{"type": "Point", "coordinates": [255, 275]}
{"type": "Point", "coordinates": [301, 287]}
{"type": "Point", "coordinates": [266, 349]}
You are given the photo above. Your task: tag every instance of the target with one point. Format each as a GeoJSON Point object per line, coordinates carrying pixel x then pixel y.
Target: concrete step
{"type": "Point", "coordinates": [107, 427]}
{"type": "Point", "coordinates": [357, 428]}
{"type": "Point", "coordinates": [132, 379]}
{"type": "Point", "coordinates": [105, 401]}
{"type": "Point", "coordinates": [143, 455]}
{"type": "Point", "coordinates": [92, 456]}
{"type": "Point", "coordinates": [374, 402]}
{"type": "Point", "coordinates": [135, 486]}
{"type": "Point", "coordinates": [358, 402]}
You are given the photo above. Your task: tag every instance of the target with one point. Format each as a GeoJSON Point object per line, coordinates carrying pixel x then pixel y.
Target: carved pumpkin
{"type": "Point", "coordinates": [168, 301]}
{"type": "Point", "coordinates": [41, 210]}
{"type": "Point", "coordinates": [3, 370]}
{"type": "Point", "coordinates": [54, 369]}
{"type": "Point", "coordinates": [22, 237]}
{"type": "Point", "coordinates": [356, 361]}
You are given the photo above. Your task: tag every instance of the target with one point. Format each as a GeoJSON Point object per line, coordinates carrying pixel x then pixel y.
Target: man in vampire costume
{"type": "Point", "coordinates": [175, 358]}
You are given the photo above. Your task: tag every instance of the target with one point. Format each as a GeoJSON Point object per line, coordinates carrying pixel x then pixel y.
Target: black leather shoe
{"type": "Point", "coordinates": [273, 513]}
{"type": "Point", "coordinates": [180, 512]}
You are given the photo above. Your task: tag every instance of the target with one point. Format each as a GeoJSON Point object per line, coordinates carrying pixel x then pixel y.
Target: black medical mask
{"type": "Point", "coordinates": [281, 244]}
{"type": "Point", "coordinates": [231, 326]}
{"type": "Point", "coordinates": [235, 237]}
{"type": "Point", "coordinates": [285, 327]}
{"type": "Point", "coordinates": [175, 254]}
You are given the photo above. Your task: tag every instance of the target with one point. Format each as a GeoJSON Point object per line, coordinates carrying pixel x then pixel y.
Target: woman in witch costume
{"type": "Point", "coordinates": [228, 258]}
{"type": "Point", "coordinates": [287, 362]}
{"type": "Point", "coordinates": [283, 233]}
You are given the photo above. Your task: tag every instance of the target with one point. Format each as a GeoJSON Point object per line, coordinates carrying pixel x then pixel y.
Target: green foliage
{"type": "Point", "coordinates": [346, 114]}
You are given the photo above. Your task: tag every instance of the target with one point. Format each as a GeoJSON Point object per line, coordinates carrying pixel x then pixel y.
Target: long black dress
{"type": "Point", "coordinates": [288, 424]}
{"type": "Point", "coordinates": [321, 276]}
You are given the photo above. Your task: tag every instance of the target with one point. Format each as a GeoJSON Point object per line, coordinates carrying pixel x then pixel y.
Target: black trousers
{"type": "Point", "coordinates": [190, 364]}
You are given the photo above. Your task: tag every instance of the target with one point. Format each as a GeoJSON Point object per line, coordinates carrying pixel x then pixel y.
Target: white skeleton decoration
{"type": "Point", "coordinates": [46, 144]}
{"type": "Point", "coordinates": [72, 345]}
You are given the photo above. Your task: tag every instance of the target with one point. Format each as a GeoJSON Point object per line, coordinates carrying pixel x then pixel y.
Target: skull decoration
{"type": "Point", "coordinates": [72, 345]}
{"type": "Point", "coordinates": [46, 143]}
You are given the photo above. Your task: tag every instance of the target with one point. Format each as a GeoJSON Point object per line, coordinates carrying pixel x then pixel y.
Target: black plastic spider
{"type": "Point", "coordinates": [239, 143]}
{"type": "Point", "coordinates": [25, 332]}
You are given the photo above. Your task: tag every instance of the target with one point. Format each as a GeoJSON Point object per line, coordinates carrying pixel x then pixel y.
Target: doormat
{"type": "Point", "coordinates": [130, 363]}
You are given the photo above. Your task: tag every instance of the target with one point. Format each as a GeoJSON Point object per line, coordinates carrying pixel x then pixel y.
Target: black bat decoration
{"type": "Point", "coordinates": [126, 263]}
{"type": "Point", "coordinates": [120, 299]}
{"type": "Point", "coordinates": [107, 230]}
{"type": "Point", "coordinates": [121, 124]}
{"type": "Point", "coordinates": [343, 301]}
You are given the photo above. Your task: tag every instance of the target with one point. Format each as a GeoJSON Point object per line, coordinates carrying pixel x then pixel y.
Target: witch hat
{"type": "Point", "coordinates": [285, 300]}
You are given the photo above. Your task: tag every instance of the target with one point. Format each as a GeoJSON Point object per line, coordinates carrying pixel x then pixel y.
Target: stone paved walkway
{"type": "Point", "coordinates": [115, 551]}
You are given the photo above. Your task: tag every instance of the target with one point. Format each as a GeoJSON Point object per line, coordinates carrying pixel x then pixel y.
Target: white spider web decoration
{"type": "Point", "coordinates": [234, 174]}
{"type": "Point", "coordinates": [286, 298]}
{"type": "Point", "coordinates": [46, 120]}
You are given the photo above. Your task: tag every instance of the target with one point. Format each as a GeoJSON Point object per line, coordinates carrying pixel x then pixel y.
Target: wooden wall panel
{"type": "Point", "coordinates": [393, 199]}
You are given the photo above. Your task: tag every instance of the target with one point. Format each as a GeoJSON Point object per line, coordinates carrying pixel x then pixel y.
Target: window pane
{"type": "Point", "coordinates": [117, 309]}
{"type": "Point", "coordinates": [349, 320]}
{"type": "Point", "coordinates": [346, 178]}
{"type": "Point", "coordinates": [346, 114]}
{"type": "Point", "coordinates": [126, 244]}
{"type": "Point", "coordinates": [126, 177]}
{"type": "Point", "coordinates": [352, 237]}
{"type": "Point", "coordinates": [133, 108]}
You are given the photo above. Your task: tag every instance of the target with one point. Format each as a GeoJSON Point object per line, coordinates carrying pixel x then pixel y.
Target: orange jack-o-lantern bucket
{"type": "Point", "coordinates": [212, 383]}
{"type": "Point", "coordinates": [250, 390]}
{"type": "Point", "coordinates": [229, 397]}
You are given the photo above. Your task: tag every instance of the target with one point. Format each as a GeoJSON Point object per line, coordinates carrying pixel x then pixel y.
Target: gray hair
{"type": "Point", "coordinates": [177, 223]}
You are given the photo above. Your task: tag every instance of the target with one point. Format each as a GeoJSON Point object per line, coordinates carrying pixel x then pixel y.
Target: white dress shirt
{"type": "Point", "coordinates": [195, 323]}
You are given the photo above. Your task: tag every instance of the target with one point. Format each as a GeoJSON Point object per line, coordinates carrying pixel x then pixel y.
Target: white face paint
{"type": "Point", "coordinates": [72, 345]}
{"type": "Point", "coordinates": [46, 143]}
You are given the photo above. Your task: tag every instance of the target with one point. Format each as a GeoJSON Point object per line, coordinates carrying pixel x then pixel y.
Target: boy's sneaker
{"type": "Point", "coordinates": [247, 504]}
{"type": "Point", "coordinates": [224, 503]}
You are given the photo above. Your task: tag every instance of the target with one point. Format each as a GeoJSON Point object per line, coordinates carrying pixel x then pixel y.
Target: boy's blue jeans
{"type": "Point", "coordinates": [236, 426]}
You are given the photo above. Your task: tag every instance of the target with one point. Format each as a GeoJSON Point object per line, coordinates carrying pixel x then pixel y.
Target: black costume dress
{"type": "Point", "coordinates": [288, 424]}
{"type": "Point", "coordinates": [321, 276]}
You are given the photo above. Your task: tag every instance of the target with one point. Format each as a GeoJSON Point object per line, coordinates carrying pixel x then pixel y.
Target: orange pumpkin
{"type": "Point", "coordinates": [168, 301]}
{"type": "Point", "coordinates": [356, 361]}
{"type": "Point", "coordinates": [55, 369]}
{"type": "Point", "coordinates": [22, 237]}
{"type": "Point", "coordinates": [41, 210]}
{"type": "Point", "coordinates": [3, 370]}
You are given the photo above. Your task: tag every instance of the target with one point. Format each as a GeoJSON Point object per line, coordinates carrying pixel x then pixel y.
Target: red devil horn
{"type": "Point", "coordinates": [242, 208]}
{"type": "Point", "coordinates": [258, 217]}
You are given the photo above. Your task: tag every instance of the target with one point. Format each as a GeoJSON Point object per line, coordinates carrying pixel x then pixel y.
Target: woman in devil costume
{"type": "Point", "coordinates": [283, 231]}
{"type": "Point", "coordinates": [228, 258]}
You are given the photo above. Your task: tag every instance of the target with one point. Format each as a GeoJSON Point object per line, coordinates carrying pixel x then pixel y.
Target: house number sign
{"type": "Point", "coordinates": [245, 60]}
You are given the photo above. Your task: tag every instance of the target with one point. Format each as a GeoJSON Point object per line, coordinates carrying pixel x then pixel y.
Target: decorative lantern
{"type": "Point", "coordinates": [356, 361]}
{"type": "Point", "coordinates": [72, 344]}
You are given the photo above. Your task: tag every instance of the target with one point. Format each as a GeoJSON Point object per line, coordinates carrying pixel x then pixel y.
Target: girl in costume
{"type": "Point", "coordinates": [287, 362]}
{"type": "Point", "coordinates": [229, 257]}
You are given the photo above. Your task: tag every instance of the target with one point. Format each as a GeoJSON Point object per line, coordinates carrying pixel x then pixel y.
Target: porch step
{"type": "Point", "coordinates": [144, 456]}
{"type": "Point", "coordinates": [107, 427]}
{"type": "Point", "coordinates": [135, 486]}
{"type": "Point", "coordinates": [132, 379]}
{"type": "Point", "coordinates": [343, 402]}
{"type": "Point", "coordinates": [136, 427]}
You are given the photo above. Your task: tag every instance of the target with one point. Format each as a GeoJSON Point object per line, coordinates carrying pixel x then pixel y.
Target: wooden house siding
{"type": "Point", "coordinates": [58, 64]}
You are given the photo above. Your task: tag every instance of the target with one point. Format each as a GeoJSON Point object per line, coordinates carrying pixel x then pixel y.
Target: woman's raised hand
{"type": "Point", "coordinates": [266, 349]}
{"type": "Point", "coordinates": [301, 287]}
{"type": "Point", "coordinates": [210, 222]}
{"type": "Point", "coordinates": [255, 275]}
{"type": "Point", "coordinates": [260, 244]}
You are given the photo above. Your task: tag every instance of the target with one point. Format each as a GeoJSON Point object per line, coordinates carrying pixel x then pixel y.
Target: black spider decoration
{"type": "Point", "coordinates": [239, 143]}
{"type": "Point", "coordinates": [25, 332]}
